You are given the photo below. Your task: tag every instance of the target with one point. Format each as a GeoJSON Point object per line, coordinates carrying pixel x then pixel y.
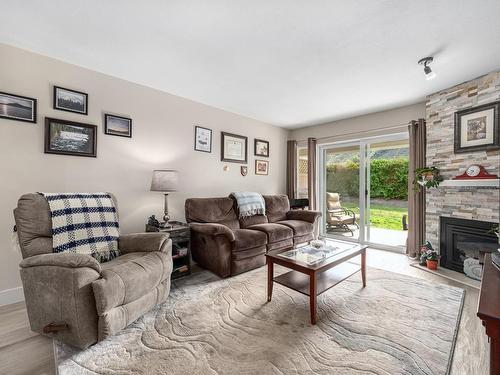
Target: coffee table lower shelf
{"type": "Point", "coordinates": [300, 282]}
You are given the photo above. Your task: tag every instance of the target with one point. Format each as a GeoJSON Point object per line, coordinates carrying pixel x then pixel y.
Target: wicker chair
{"type": "Point", "coordinates": [338, 218]}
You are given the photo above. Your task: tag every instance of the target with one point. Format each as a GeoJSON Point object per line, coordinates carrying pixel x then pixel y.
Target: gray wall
{"type": "Point", "coordinates": [163, 133]}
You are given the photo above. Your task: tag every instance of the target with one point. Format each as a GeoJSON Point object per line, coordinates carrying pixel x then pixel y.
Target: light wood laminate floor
{"type": "Point", "coordinates": [24, 352]}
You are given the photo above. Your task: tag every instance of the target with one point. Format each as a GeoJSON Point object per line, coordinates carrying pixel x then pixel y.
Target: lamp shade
{"type": "Point", "coordinates": [164, 180]}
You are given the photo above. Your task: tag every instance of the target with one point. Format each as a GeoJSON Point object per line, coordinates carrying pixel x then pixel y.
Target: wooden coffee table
{"type": "Point", "coordinates": [312, 280]}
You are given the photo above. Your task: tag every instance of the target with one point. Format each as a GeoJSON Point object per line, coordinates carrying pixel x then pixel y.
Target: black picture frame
{"type": "Point", "coordinates": [225, 157]}
{"type": "Point", "coordinates": [117, 133]}
{"type": "Point", "coordinates": [49, 139]}
{"type": "Point", "coordinates": [3, 107]}
{"type": "Point", "coordinates": [57, 105]}
{"type": "Point", "coordinates": [256, 150]}
{"type": "Point", "coordinates": [196, 140]}
{"type": "Point", "coordinates": [494, 145]}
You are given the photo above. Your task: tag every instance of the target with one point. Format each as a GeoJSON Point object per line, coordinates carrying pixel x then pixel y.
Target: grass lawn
{"type": "Point", "coordinates": [382, 216]}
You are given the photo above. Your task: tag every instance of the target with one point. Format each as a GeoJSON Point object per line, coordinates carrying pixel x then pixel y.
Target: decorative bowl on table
{"type": "Point", "coordinates": [317, 244]}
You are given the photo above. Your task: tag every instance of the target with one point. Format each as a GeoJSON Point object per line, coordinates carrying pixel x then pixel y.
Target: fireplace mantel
{"type": "Point", "coordinates": [488, 183]}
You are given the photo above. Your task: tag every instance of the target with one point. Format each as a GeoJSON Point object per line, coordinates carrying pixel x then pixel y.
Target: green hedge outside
{"type": "Point", "coordinates": [389, 178]}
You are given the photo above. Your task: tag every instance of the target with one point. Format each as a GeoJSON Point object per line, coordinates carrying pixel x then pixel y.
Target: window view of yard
{"type": "Point", "coordinates": [388, 191]}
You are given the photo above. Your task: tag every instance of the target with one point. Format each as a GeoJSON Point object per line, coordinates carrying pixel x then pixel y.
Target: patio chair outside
{"type": "Point", "coordinates": [338, 218]}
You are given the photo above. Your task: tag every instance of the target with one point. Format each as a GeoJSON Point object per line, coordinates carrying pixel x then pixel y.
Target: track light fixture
{"type": "Point", "coordinates": [426, 61]}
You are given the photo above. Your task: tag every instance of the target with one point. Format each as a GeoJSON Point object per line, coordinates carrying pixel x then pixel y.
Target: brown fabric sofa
{"type": "Point", "coordinates": [228, 245]}
{"type": "Point", "coordinates": [95, 300]}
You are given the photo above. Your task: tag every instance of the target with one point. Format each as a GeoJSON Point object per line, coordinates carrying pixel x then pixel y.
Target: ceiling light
{"type": "Point", "coordinates": [426, 61]}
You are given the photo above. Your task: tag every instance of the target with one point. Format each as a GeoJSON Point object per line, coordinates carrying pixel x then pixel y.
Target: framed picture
{"type": "Point", "coordinates": [261, 148]}
{"type": "Point", "coordinates": [477, 129]}
{"type": "Point", "coordinates": [117, 125]}
{"type": "Point", "coordinates": [70, 138]}
{"type": "Point", "coordinates": [70, 100]}
{"type": "Point", "coordinates": [19, 108]}
{"type": "Point", "coordinates": [234, 148]}
{"type": "Point", "coordinates": [202, 139]}
{"type": "Point", "coordinates": [262, 167]}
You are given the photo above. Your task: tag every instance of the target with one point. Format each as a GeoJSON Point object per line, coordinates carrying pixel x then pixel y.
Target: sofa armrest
{"type": "Point", "coordinates": [143, 242]}
{"type": "Point", "coordinates": [304, 215]}
{"type": "Point", "coordinates": [68, 260]}
{"type": "Point", "coordinates": [213, 229]}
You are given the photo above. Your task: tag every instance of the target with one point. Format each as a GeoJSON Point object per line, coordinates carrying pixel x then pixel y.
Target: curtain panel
{"type": "Point", "coordinates": [291, 169]}
{"type": "Point", "coordinates": [416, 199]}
{"type": "Point", "coordinates": [311, 172]}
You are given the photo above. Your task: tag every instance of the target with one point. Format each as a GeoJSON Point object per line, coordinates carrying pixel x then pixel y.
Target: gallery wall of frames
{"type": "Point", "coordinates": [66, 137]}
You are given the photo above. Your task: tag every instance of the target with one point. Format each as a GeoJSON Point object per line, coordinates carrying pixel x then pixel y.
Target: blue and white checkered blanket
{"type": "Point", "coordinates": [249, 203]}
{"type": "Point", "coordinates": [84, 223]}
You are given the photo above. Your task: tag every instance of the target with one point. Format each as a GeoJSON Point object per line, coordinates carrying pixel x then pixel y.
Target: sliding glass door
{"type": "Point", "coordinates": [363, 190]}
{"type": "Point", "coordinates": [341, 196]}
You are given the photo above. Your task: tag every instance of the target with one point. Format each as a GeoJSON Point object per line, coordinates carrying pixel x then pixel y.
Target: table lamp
{"type": "Point", "coordinates": [165, 180]}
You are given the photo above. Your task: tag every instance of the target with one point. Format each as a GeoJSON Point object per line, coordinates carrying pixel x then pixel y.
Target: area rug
{"type": "Point", "coordinates": [396, 325]}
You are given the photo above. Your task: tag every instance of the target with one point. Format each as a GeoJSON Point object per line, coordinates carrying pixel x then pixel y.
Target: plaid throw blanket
{"type": "Point", "coordinates": [250, 203]}
{"type": "Point", "coordinates": [84, 223]}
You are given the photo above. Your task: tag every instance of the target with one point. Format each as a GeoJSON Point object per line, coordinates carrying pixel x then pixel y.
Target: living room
{"type": "Point", "coordinates": [262, 187]}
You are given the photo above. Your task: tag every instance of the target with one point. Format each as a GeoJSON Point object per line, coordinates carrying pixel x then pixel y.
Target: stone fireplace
{"type": "Point", "coordinates": [462, 208]}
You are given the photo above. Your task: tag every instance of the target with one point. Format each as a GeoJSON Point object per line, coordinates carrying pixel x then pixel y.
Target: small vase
{"type": "Point", "coordinates": [432, 264]}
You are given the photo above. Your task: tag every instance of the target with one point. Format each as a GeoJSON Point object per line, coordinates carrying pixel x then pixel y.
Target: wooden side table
{"type": "Point", "coordinates": [181, 247]}
{"type": "Point", "coordinates": [489, 311]}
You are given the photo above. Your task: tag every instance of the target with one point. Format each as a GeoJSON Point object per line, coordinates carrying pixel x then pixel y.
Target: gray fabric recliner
{"type": "Point", "coordinates": [75, 298]}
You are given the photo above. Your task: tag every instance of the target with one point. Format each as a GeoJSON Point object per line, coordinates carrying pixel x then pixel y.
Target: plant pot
{"type": "Point", "coordinates": [429, 176]}
{"type": "Point", "coordinates": [432, 264]}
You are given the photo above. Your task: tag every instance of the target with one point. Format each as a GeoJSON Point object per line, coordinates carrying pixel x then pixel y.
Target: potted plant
{"type": "Point", "coordinates": [431, 258]}
{"type": "Point", "coordinates": [423, 251]}
{"type": "Point", "coordinates": [427, 177]}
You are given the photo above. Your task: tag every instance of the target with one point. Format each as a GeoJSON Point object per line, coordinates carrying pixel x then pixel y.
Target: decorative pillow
{"type": "Point", "coordinates": [84, 223]}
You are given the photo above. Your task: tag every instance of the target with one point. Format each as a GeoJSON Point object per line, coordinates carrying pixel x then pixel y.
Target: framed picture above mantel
{"type": "Point", "coordinates": [477, 128]}
{"type": "Point", "coordinates": [234, 148]}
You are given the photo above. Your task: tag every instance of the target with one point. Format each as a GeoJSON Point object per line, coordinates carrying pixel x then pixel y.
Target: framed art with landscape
{"type": "Point", "coordinates": [18, 108]}
{"type": "Point", "coordinates": [70, 138]}
{"type": "Point", "coordinates": [70, 100]}
{"type": "Point", "coordinates": [117, 125]}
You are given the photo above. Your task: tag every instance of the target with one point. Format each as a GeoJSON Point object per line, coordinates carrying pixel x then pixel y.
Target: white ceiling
{"type": "Point", "coordinates": [286, 62]}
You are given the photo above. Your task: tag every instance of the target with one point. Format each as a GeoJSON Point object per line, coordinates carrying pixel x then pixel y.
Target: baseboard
{"type": "Point", "coordinates": [10, 296]}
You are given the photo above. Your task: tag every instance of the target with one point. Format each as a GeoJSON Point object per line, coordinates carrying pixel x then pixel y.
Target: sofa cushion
{"type": "Point", "coordinates": [129, 277]}
{"type": "Point", "coordinates": [280, 245]}
{"type": "Point", "coordinates": [211, 210]}
{"type": "Point", "coordinates": [247, 239]}
{"type": "Point", "coordinates": [245, 222]}
{"type": "Point", "coordinates": [299, 227]}
{"type": "Point", "coordinates": [275, 232]}
{"type": "Point", "coordinates": [276, 207]}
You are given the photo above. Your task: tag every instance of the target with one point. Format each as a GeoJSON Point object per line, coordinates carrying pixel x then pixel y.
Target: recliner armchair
{"type": "Point", "coordinates": [75, 298]}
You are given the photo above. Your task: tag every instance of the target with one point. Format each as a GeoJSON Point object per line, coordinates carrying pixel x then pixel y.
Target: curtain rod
{"type": "Point", "coordinates": [358, 132]}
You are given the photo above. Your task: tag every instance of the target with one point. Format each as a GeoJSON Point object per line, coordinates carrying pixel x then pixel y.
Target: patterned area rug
{"type": "Point", "coordinates": [396, 325]}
